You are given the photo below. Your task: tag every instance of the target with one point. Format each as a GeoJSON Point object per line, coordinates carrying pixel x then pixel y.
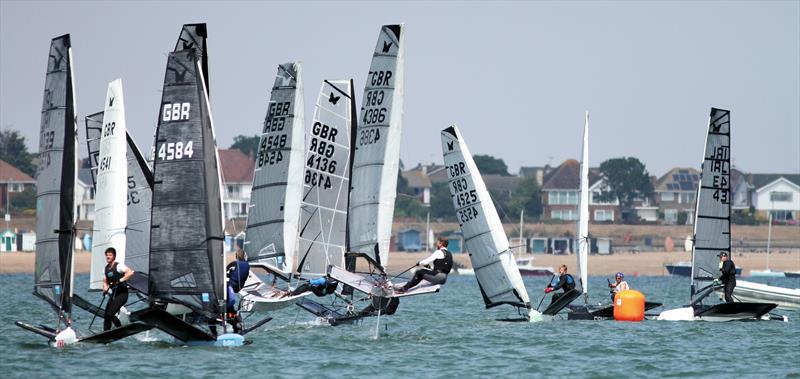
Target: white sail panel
{"type": "Point", "coordinates": [583, 219]}
{"type": "Point", "coordinates": [495, 268]}
{"type": "Point", "coordinates": [326, 180]}
{"type": "Point", "coordinates": [112, 181]}
{"type": "Point", "coordinates": [712, 216]}
{"type": "Point", "coordinates": [140, 198]}
{"type": "Point", "coordinates": [376, 159]}
{"type": "Point", "coordinates": [274, 213]}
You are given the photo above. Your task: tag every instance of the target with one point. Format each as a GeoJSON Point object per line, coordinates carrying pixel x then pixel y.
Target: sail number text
{"type": "Point", "coordinates": [175, 111]}
{"type": "Point", "coordinates": [321, 150]}
{"type": "Point", "coordinates": [175, 150]}
{"type": "Point", "coordinates": [720, 169]}
{"type": "Point", "coordinates": [467, 214]}
{"type": "Point", "coordinates": [133, 195]}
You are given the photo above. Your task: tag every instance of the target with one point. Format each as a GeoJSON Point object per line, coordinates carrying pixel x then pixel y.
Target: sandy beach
{"type": "Point", "coordinates": [646, 263]}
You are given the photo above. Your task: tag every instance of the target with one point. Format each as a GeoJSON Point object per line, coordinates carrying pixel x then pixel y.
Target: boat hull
{"type": "Point", "coordinates": [733, 311]}
{"type": "Point", "coordinates": [536, 271]}
{"type": "Point", "coordinates": [786, 298]}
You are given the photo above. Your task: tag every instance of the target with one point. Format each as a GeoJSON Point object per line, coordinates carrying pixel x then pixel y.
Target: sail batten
{"type": "Point", "coordinates": [274, 214]}
{"type": "Point", "coordinates": [712, 212]}
{"type": "Point", "coordinates": [376, 159]}
{"type": "Point", "coordinates": [495, 268]}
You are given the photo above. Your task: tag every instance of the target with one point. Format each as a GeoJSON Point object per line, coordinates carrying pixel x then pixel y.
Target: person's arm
{"type": "Point", "coordinates": [561, 282]}
{"type": "Point", "coordinates": [438, 254]}
{"type": "Point", "coordinates": [126, 272]}
{"type": "Point", "coordinates": [105, 285]}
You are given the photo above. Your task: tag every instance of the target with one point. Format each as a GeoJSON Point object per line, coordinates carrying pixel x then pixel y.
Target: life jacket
{"type": "Point", "coordinates": [445, 264]}
{"type": "Point", "coordinates": [238, 275]}
{"type": "Point", "coordinates": [113, 277]}
{"type": "Point", "coordinates": [570, 283]}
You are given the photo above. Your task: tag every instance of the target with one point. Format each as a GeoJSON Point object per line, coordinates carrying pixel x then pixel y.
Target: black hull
{"type": "Point", "coordinates": [118, 333]}
{"type": "Point", "coordinates": [733, 311]}
{"type": "Point", "coordinates": [162, 320]}
{"type": "Point", "coordinates": [685, 270]}
{"type": "Point", "coordinates": [562, 303]}
{"type": "Point", "coordinates": [583, 312]}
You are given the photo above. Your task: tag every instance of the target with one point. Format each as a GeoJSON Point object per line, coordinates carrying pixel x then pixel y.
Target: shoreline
{"type": "Point", "coordinates": [633, 264]}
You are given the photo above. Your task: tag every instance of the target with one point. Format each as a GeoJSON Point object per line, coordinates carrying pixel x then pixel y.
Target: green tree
{"type": "Point", "coordinates": [14, 151]}
{"type": "Point", "coordinates": [626, 180]}
{"type": "Point", "coordinates": [245, 144]}
{"type": "Point", "coordinates": [442, 203]}
{"type": "Point", "coordinates": [527, 196]}
{"type": "Point", "coordinates": [21, 201]}
{"type": "Point", "coordinates": [488, 164]}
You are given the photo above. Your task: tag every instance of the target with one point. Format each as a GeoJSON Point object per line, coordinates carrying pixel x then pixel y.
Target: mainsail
{"type": "Point", "coordinates": [495, 269]}
{"type": "Point", "coordinates": [195, 37]}
{"type": "Point", "coordinates": [712, 226]}
{"type": "Point", "coordinates": [583, 219]}
{"type": "Point", "coordinates": [326, 180]}
{"type": "Point", "coordinates": [55, 180]}
{"type": "Point", "coordinates": [112, 177]}
{"type": "Point", "coordinates": [139, 186]}
{"type": "Point", "coordinates": [274, 213]}
{"type": "Point", "coordinates": [186, 240]}
{"type": "Point", "coordinates": [376, 158]}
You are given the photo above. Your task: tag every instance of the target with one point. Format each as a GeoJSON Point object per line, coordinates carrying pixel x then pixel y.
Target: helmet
{"type": "Point", "coordinates": [620, 275]}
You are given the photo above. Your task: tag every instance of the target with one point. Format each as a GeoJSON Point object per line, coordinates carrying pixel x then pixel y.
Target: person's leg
{"type": "Point", "coordinates": [115, 303]}
{"type": "Point", "coordinates": [438, 278]}
{"type": "Point", "coordinates": [729, 292]}
{"type": "Point", "coordinates": [556, 296]}
{"type": "Point", "coordinates": [416, 279]}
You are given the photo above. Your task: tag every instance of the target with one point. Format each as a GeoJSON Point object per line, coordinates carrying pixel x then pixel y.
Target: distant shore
{"type": "Point", "coordinates": [644, 264]}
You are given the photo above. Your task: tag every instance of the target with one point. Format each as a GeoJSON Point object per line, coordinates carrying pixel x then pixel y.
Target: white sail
{"type": "Point", "coordinates": [712, 216]}
{"type": "Point", "coordinates": [326, 180]}
{"type": "Point", "coordinates": [274, 214]}
{"type": "Point", "coordinates": [495, 268]}
{"type": "Point", "coordinates": [583, 219]}
{"type": "Point", "coordinates": [376, 159]}
{"type": "Point", "coordinates": [111, 209]}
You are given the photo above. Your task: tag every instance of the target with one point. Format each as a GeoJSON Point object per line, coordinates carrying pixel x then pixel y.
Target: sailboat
{"type": "Point", "coordinates": [712, 232]}
{"type": "Point", "coordinates": [56, 175]}
{"type": "Point", "coordinates": [273, 227]}
{"type": "Point", "coordinates": [496, 270]}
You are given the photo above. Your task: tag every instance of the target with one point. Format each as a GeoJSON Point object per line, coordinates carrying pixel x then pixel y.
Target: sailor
{"type": "Point", "coordinates": [619, 285]}
{"type": "Point", "coordinates": [442, 262]}
{"type": "Point", "coordinates": [238, 271]}
{"type": "Point", "coordinates": [727, 270]}
{"type": "Point", "coordinates": [116, 274]}
{"type": "Point", "coordinates": [321, 286]}
{"type": "Point", "coordinates": [565, 282]}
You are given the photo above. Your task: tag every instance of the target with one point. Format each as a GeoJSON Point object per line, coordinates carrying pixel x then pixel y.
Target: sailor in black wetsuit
{"type": "Point", "coordinates": [442, 262]}
{"type": "Point", "coordinates": [727, 276]}
{"type": "Point", "coordinates": [116, 274]}
{"type": "Point", "coordinates": [565, 282]}
{"type": "Point", "coordinates": [238, 271]}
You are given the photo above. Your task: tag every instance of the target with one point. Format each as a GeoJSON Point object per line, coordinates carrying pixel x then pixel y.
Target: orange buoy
{"type": "Point", "coordinates": [629, 306]}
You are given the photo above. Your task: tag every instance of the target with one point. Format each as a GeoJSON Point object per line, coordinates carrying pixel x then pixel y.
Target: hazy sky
{"type": "Point", "coordinates": [516, 77]}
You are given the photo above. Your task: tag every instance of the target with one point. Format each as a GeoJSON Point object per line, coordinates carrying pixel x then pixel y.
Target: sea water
{"type": "Point", "coordinates": [448, 334]}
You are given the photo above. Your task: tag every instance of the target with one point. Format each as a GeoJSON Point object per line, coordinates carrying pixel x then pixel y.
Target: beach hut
{"type": "Point", "coordinates": [29, 241]}
{"type": "Point", "coordinates": [537, 245]}
{"type": "Point", "coordinates": [409, 240]}
{"type": "Point", "coordinates": [601, 246]}
{"type": "Point", "coordinates": [455, 243]}
{"type": "Point", "coordinates": [560, 246]}
{"type": "Point", "coordinates": [8, 240]}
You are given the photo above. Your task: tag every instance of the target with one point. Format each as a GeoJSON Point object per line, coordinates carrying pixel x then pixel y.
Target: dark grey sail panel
{"type": "Point", "coordinates": [376, 159]}
{"type": "Point", "coordinates": [55, 180]}
{"type": "Point", "coordinates": [712, 231]}
{"type": "Point", "coordinates": [186, 240]}
{"type": "Point", "coordinates": [195, 37]}
{"type": "Point", "coordinates": [140, 182]}
{"type": "Point", "coordinates": [326, 180]}
{"type": "Point", "coordinates": [140, 196]}
{"type": "Point", "coordinates": [274, 213]}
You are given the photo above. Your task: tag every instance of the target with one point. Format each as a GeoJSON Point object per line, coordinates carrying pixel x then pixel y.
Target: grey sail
{"type": "Point", "coordinates": [274, 213]}
{"type": "Point", "coordinates": [712, 227]}
{"type": "Point", "coordinates": [186, 240]}
{"type": "Point", "coordinates": [140, 182]}
{"type": "Point", "coordinates": [55, 180]}
{"type": "Point", "coordinates": [376, 159]}
{"type": "Point", "coordinates": [326, 180]}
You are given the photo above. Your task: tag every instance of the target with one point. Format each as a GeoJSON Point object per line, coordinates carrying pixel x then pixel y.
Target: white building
{"type": "Point", "coordinates": [237, 182]}
{"type": "Point", "coordinates": [780, 196]}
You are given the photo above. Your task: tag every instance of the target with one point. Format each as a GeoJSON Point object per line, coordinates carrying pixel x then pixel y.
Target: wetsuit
{"type": "Point", "coordinates": [442, 261]}
{"type": "Point", "coordinates": [238, 275]}
{"type": "Point", "coordinates": [319, 286]}
{"type": "Point", "coordinates": [728, 279]}
{"type": "Point", "coordinates": [565, 282]}
{"type": "Point", "coordinates": [117, 292]}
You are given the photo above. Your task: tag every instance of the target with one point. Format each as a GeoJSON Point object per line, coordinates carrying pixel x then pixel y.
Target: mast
{"type": "Point", "coordinates": [55, 182]}
{"type": "Point", "coordinates": [583, 219]}
{"type": "Point", "coordinates": [712, 212]}
{"type": "Point", "coordinates": [496, 270]}
{"type": "Point", "coordinates": [376, 145]}
{"type": "Point", "coordinates": [112, 181]}
{"type": "Point", "coordinates": [274, 214]}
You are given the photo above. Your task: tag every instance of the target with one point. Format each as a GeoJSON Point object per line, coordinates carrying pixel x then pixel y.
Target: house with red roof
{"type": "Point", "coordinates": [12, 180]}
{"type": "Point", "coordinates": [237, 181]}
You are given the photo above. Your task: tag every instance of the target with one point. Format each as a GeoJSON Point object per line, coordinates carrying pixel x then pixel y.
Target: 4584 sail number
{"type": "Point", "coordinates": [175, 150]}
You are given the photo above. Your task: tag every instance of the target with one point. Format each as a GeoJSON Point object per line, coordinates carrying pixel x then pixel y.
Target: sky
{"type": "Point", "coordinates": [516, 77]}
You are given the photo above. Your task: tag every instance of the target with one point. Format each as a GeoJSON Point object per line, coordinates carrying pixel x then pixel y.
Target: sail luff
{"type": "Point", "coordinates": [273, 216]}
{"type": "Point", "coordinates": [496, 270]}
{"type": "Point", "coordinates": [583, 219]}
{"type": "Point", "coordinates": [712, 212]}
{"type": "Point", "coordinates": [111, 211]}
{"type": "Point", "coordinates": [376, 147]}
